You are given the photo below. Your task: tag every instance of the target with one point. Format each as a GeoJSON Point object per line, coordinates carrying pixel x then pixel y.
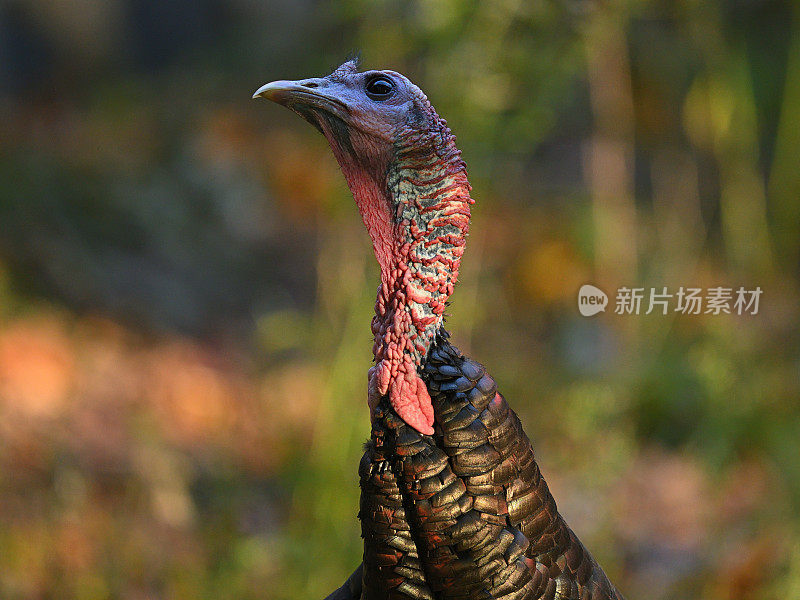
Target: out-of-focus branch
{"type": "Point", "coordinates": [720, 115]}
{"type": "Point", "coordinates": [609, 160]}
{"type": "Point", "coordinates": [784, 180]}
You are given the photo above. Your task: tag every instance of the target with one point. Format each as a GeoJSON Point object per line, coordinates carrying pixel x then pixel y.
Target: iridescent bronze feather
{"type": "Point", "coordinates": [469, 500]}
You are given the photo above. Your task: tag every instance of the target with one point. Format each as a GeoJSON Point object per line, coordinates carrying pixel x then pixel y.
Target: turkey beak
{"type": "Point", "coordinates": [277, 91]}
{"type": "Point", "coordinates": [313, 93]}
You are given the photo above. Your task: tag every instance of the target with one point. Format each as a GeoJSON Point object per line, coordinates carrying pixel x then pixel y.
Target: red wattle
{"type": "Point", "coordinates": [408, 394]}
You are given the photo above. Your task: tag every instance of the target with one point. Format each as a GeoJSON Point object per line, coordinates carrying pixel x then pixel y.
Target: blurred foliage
{"type": "Point", "coordinates": [185, 286]}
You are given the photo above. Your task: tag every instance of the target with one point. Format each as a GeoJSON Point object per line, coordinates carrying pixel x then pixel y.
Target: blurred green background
{"type": "Point", "coordinates": [186, 288]}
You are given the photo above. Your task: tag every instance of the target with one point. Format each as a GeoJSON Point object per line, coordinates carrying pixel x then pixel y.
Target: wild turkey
{"type": "Point", "coordinates": [453, 505]}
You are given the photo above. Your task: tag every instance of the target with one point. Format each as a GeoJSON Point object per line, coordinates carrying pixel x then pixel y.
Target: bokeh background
{"type": "Point", "coordinates": [186, 288]}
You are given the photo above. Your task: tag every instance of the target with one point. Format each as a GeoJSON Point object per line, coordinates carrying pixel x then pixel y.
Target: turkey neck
{"type": "Point", "coordinates": [417, 218]}
{"type": "Point", "coordinates": [431, 219]}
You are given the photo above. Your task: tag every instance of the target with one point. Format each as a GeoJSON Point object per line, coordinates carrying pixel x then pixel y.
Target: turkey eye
{"type": "Point", "coordinates": [379, 88]}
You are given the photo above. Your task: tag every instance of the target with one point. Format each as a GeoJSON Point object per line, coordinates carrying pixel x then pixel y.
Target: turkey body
{"type": "Point", "coordinates": [453, 506]}
{"type": "Point", "coordinates": [464, 513]}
